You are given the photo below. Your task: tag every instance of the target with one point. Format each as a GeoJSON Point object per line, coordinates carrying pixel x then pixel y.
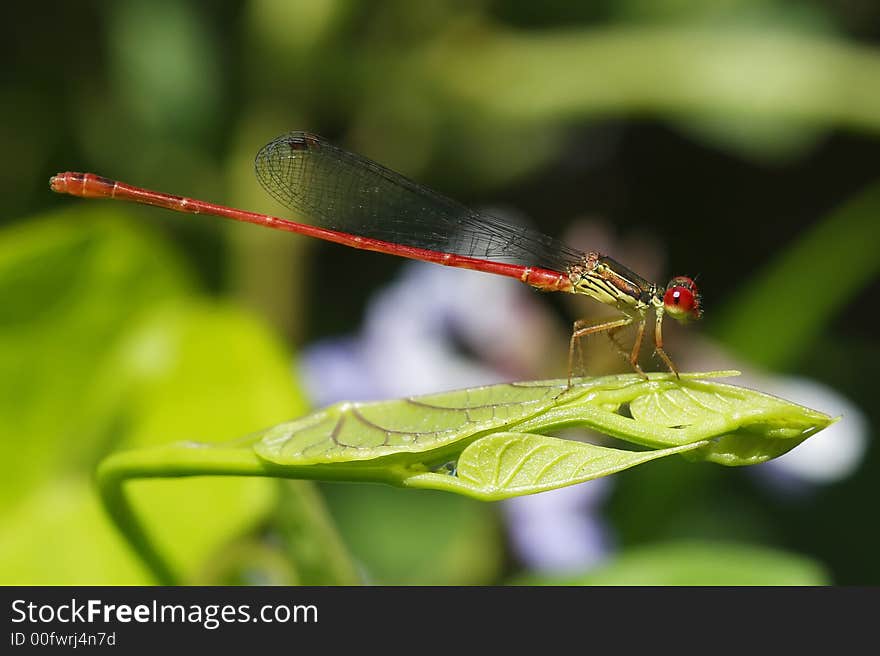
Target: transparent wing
{"type": "Point", "coordinates": [345, 192]}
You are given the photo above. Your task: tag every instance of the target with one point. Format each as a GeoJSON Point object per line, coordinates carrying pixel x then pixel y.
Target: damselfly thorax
{"type": "Point", "coordinates": [607, 281]}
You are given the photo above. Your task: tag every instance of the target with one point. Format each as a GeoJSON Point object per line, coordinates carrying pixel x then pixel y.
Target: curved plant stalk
{"type": "Point", "coordinates": [488, 443]}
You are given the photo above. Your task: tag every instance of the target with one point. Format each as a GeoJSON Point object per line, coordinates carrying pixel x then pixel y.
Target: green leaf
{"type": "Point", "coordinates": [512, 464]}
{"type": "Point", "coordinates": [773, 427]}
{"type": "Point", "coordinates": [103, 346]}
{"type": "Point", "coordinates": [186, 384]}
{"type": "Point", "coordinates": [58, 534]}
{"type": "Point", "coordinates": [347, 432]}
{"type": "Point", "coordinates": [485, 442]}
{"type": "Point", "coordinates": [697, 563]}
{"type": "Point", "coordinates": [489, 443]}
{"type": "Point", "coordinates": [402, 441]}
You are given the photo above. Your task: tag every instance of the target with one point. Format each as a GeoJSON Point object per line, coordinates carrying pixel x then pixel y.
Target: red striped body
{"type": "Point", "coordinates": [89, 185]}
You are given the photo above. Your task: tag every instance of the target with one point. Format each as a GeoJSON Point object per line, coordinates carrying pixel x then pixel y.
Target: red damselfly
{"type": "Point", "coordinates": [354, 201]}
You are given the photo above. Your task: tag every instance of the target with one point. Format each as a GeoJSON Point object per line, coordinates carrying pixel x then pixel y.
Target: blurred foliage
{"type": "Point", "coordinates": [414, 537]}
{"type": "Point", "coordinates": [741, 132]}
{"type": "Point", "coordinates": [833, 261]}
{"type": "Point", "coordinates": [104, 347]}
{"type": "Point", "coordinates": [698, 563]}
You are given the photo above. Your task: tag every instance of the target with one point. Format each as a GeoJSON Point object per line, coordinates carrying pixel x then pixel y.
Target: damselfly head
{"type": "Point", "coordinates": [682, 299]}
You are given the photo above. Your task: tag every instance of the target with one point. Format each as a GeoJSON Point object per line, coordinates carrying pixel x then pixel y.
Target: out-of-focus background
{"type": "Point", "coordinates": [737, 141]}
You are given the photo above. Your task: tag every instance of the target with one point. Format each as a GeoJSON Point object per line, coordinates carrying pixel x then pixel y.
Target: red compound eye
{"type": "Point", "coordinates": [682, 300]}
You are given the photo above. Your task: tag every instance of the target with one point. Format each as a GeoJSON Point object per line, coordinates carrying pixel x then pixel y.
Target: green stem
{"type": "Point", "coordinates": [311, 537]}
{"type": "Point", "coordinates": [170, 461]}
{"type": "Point", "coordinates": [190, 459]}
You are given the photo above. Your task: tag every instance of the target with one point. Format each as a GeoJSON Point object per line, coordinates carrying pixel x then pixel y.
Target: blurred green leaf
{"type": "Point", "coordinates": [727, 14]}
{"type": "Point", "coordinates": [58, 534]}
{"type": "Point", "coordinates": [765, 140]}
{"type": "Point", "coordinates": [293, 27]}
{"type": "Point", "coordinates": [190, 385]}
{"type": "Point", "coordinates": [405, 537]}
{"type": "Point", "coordinates": [104, 346]}
{"type": "Point", "coordinates": [697, 563]}
{"type": "Point", "coordinates": [165, 65]}
{"type": "Point", "coordinates": [560, 74]}
{"type": "Point", "coordinates": [71, 284]}
{"type": "Point", "coordinates": [802, 289]}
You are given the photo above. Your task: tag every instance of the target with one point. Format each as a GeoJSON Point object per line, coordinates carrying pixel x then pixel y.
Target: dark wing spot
{"type": "Point", "coordinates": [303, 141]}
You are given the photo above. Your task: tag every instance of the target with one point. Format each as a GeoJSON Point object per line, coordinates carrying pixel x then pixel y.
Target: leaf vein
{"type": "Point", "coordinates": [521, 463]}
